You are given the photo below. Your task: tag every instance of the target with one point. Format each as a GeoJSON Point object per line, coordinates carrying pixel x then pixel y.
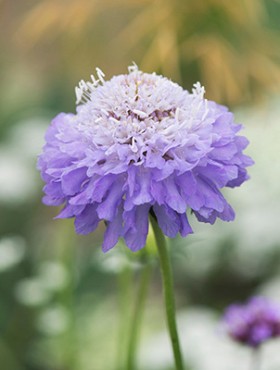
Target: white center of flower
{"type": "Point", "coordinates": [139, 110]}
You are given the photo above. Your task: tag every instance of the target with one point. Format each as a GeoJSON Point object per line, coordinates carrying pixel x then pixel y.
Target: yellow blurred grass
{"type": "Point", "coordinates": [223, 43]}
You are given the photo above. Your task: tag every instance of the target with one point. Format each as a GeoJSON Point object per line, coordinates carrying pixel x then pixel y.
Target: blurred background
{"type": "Point", "coordinates": [63, 304]}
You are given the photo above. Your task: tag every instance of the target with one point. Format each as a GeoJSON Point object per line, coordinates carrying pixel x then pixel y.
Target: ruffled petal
{"type": "Point", "coordinates": [108, 208]}
{"type": "Point", "coordinates": [185, 228]}
{"type": "Point", "coordinates": [114, 230]}
{"type": "Point", "coordinates": [173, 198]}
{"type": "Point", "coordinates": [136, 225]}
{"type": "Point", "coordinates": [87, 221]}
{"type": "Point", "coordinates": [72, 181]}
{"type": "Point", "coordinates": [70, 211]}
{"type": "Point", "coordinates": [168, 220]}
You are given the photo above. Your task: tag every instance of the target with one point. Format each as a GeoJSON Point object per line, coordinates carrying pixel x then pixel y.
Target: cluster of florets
{"type": "Point", "coordinates": [140, 144]}
{"type": "Point", "coordinates": [253, 323]}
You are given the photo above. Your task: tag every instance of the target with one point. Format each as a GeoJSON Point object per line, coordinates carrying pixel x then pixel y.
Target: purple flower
{"type": "Point", "coordinates": [253, 323]}
{"type": "Point", "coordinates": [139, 143]}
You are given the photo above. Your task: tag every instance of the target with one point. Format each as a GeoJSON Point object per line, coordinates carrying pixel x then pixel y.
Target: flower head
{"type": "Point", "coordinates": [253, 323]}
{"type": "Point", "coordinates": [139, 143]}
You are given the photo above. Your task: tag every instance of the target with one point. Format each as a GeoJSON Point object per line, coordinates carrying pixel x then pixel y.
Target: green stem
{"type": "Point", "coordinates": [137, 315]}
{"type": "Point", "coordinates": [167, 282]}
{"type": "Point", "coordinates": [256, 357]}
{"type": "Point", "coordinates": [125, 289]}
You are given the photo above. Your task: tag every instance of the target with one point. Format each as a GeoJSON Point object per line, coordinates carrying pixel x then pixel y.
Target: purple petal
{"type": "Point", "coordinates": [168, 220]}
{"type": "Point", "coordinates": [185, 228]}
{"type": "Point", "coordinates": [87, 221]}
{"type": "Point", "coordinates": [72, 182]}
{"type": "Point", "coordinates": [108, 208]}
{"type": "Point", "coordinates": [136, 227]}
{"type": "Point", "coordinates": [113, 231]}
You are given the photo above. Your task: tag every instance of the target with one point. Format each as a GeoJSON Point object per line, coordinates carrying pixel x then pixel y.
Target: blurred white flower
{"type": "Point", "coordinates": [17, 179]}
{"type": "Point", "coordinates": [32, 292]}
{"type": "Point", "coordinates": [12, 250]}
{"type": "Point", "coordinates": [18, 176]}
{"type": "Point", "coordinates": [53, 275]}
{"type": "Point", "coordinates": [117, 261]}
{"type": "Point", "coordinates": [204, 346]}
{"type": "Point", "coordinates": [27, 137]}
{"type": "Point", "coordinates": [53, 320]}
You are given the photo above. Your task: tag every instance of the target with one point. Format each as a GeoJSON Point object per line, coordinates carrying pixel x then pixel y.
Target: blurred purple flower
{"type": "Point", "coordinates": [254, 322]}
{"type": "Point", "coordinates": [139, 143]}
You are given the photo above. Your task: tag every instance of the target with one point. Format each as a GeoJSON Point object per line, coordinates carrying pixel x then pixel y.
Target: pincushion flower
{"type": "Point", "coordinates": [140, 144]}
{"type": "Point", "coordinates": [254, 322]}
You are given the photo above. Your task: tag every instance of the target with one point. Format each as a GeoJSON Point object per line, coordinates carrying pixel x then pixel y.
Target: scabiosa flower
{"type": "Point", "coordinates": [139, 143]}
{"type": "Point", "coordinates": [254, 322]}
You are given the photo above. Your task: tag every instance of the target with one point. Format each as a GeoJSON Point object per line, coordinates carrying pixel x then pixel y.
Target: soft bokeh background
{"type": "Point", "coordinates": [63, 304]}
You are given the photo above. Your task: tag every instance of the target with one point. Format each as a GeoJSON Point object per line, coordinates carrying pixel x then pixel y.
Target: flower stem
{"type": "Point", "coordinates": [137, 315]}
{"type": "Point", "coordinates": [125, 284]}
{"type": "Point", "coordinates": [256, 363]}
{"type": "Point", "coordinates": [168, 292]}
